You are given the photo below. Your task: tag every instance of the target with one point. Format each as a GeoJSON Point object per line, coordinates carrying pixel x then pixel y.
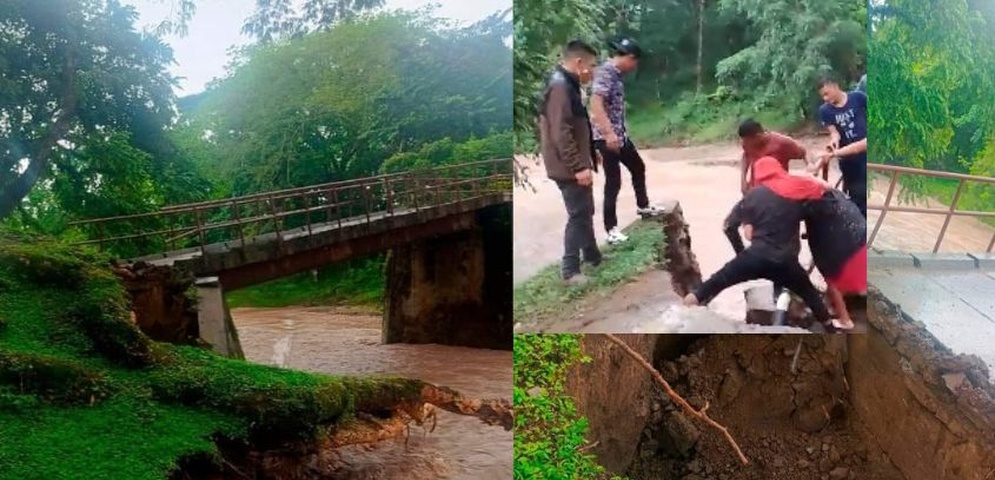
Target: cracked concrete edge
{"type": "Point", "coordinates": [889, 259]}
{"type": "Point", "coordinates": [985, 261]}
{"type": "Point", "coordinates": [945, 261]}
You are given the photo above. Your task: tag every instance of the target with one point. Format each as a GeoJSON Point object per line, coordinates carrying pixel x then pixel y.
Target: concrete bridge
{"type": "Point", "coordinates": [447, 230]}
{"type": "Point", "coordinates": [951, 291]}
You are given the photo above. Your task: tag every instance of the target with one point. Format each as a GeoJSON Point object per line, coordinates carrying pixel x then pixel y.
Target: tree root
{"type": "Point", "coordinates": [699, 414]}
{"type": "Point", "coordinates": [367, 428]}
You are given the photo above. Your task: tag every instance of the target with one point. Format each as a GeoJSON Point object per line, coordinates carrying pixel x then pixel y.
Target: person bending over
{"type": "Point", "coordinates": [758, 143]}
{"type": "Point", "coordinates": [771, 212]}
{"type": "Point", "coordinates": [568, 153]}
{"type": "Point", "coordinates": [611, 136]}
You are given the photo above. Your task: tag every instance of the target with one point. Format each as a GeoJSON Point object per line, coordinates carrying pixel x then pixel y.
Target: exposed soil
{"type": "Point", "coordinates": [347, 341]}
{"type": "Point", "coordinates": [790, 425]}
{"type": "Point", "coordinates": [891, 404]}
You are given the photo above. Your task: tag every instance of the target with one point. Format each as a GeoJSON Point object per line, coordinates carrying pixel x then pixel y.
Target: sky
{"type": "Point", "coordinates": [202, 54]}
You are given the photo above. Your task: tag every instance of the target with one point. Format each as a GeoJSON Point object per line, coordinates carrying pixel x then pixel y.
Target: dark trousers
{"type": "Point", "coordinates": [750, 266]}
{"type": "Point", "coordinates": [731, 227]}
{"type": "Point", "coordinates": [578, 238]}
{"type": "Point", "coordinates": [628, 156]}
{"type": "Point", "coordinates": [856, 188]}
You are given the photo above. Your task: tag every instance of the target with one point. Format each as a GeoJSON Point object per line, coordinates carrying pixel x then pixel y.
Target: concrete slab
{"type": "Point", "coordinates": [889, 259]}
{"type": "Point", "coordinates": [986, 261]}
{"type": "Point", "coordinates": [954, 308]}
{"type": "Point", "coordinates": [976, 290]}
{"type": "Point", "coordinates": [944, 261]}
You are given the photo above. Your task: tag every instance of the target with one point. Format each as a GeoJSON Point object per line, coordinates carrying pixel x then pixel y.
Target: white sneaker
{"type": "Point", "coordinates": [616, 236]}
{"type": "Point", "coordinates": [650, 211]}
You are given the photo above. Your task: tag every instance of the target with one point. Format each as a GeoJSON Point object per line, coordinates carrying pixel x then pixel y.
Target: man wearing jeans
{"type": "Point", "coordinates": [611, 137]}
{"type": "Point", "coordinates": [845, 116]}
{"type": "Point", "coordinates": [568, 153]}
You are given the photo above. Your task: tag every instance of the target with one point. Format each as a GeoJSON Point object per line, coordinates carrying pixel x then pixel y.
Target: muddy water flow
{"type": "Point", "coordinates": [341, 341]}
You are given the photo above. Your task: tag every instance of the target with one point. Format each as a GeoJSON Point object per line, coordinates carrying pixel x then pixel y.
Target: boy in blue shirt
{"type": "Point", "coordinates": [844, 114]}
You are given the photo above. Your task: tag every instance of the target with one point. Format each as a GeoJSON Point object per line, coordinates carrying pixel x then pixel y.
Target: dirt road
{"type": "Point", "coordinates": [917, 232]}
{"type": "Point", "coordinates": [705, 180]}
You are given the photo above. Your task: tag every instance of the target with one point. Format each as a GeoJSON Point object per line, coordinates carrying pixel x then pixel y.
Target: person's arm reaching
{"type": "Point", "coordinates": [559, 112]}
{"type": "Point", "coordinates": [852, 149]}
{"type": "Point", "coordinates": [744, 169]}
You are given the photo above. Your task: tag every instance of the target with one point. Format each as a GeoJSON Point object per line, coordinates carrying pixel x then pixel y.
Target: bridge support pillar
{"type": "Point", "coordinates": [455, 289]}
{"type": "Point", "coordinates": [214, 319]}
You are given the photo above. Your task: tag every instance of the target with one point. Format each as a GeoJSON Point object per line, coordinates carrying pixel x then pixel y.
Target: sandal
{"type": "Point", "coordinates": [839, 325]}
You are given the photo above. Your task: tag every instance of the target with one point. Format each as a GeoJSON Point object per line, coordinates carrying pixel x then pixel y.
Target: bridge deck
{"type": "Point", "coordinates": [343, 239]}
{"type": "Point", "coordinates": [957, 305]}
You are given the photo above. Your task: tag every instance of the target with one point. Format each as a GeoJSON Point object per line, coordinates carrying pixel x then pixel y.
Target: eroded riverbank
{"type": "Point", "coordinates": [347, 341]}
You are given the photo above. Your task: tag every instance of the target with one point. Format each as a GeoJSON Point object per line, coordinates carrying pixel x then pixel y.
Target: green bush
{"type": "Point", "coordinates": [549, 433]}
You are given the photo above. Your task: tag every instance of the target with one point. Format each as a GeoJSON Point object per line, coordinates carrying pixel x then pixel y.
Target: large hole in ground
{"type": "Point", "coordinates": [893, 403]}
{"type": "Point", "coordinates": [887, 405]}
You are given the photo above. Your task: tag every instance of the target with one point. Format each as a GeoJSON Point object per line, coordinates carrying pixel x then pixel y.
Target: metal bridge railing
{"type": "Point", "coordinates": [895, 172]}
{"type": "Point", "coordinates": [364, 200]}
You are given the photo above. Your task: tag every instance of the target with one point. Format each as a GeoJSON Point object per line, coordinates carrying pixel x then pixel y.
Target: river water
{"type": "Point", "coordinates": [343, 341]}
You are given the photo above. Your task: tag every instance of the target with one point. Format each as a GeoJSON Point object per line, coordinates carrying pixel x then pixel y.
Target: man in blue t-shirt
{"type": "Point", "coordinates": [845, 116]}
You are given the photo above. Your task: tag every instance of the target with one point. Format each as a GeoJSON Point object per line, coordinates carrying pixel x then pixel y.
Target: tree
{"type": "Point", "coordinates": [334, 105]}
{"type": "Point", "coordinates": [71, 73]}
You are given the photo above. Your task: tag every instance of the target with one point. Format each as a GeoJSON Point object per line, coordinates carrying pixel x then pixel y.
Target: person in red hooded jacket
{"type": "Point", "coordinates": [772, 212]}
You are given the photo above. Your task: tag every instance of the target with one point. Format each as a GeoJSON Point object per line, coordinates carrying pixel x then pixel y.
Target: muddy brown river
{"type": "Point", "coordinates": [346, 341]}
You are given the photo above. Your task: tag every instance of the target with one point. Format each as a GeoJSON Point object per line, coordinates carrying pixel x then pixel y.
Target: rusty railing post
{"type": "Point", "coordinates": [171, 232]}
{"type": "Point", "coordinates": [366, 202]}
{"type": "Point", "coordinates": [390, 196]}
{"type": "Point", "coordinates": [950, 214]}
{"type": "Point", "coordinates": [238, 222]}
{"type": "Point", "coordinates": [200, 233]}
{"type": "Point", "coordinates": [884, 211]}
{"type": "Point", "coordinates": [338, 208]}
{"type": "Point", "coordinates": [307, 213]}
{"type": "Point", "coordinates": [991, 245]}
{"type": "Point", "coordinates": [276, 224]}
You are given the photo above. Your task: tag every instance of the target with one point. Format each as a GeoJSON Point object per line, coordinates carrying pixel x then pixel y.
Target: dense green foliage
{"type": "Point", "coordinates": [357, 282]}
{"type": "Point", "coordinates": [306, 104]}
{"type": "Point", "coordinates": [80, 385]}
{"type": "Point", "coordinates": [933, 64]}
{"type": "Point", "coordinates": [393, 84]}
{"type": "Point", "coordinates": [708, 63]}
{"type": "Point", "coordinates": [549, 433]}
{"type": "Point", "coordinates": [83, 101]}
{"type": "Point", "coordinates": [544, 295]}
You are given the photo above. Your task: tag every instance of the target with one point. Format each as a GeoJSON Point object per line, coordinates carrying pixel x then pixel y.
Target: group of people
{"type": "Point", "coordinates": [775, 203]}
{"type": "Point", "coordinates": [574, 143]}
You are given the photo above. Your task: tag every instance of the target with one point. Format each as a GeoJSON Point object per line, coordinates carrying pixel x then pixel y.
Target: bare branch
{"type": "Point", "coordinates": [699, 414]}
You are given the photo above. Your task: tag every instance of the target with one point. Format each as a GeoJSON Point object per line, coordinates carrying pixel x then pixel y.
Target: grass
{"type": "Point", "coordinates": [544, 295]}
{"type": "Point", "coordinates": [85, 395]}
{"type": "Point", "coordinates": [698, 120]}
{"type": "Point", "coordinates": [972, 198]}
{"type": "Point", "coordinates": [358, 282]}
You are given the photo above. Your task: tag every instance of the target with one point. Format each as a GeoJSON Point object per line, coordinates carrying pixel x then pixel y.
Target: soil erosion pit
{"type": "Point", "coordinates": [796, 404]}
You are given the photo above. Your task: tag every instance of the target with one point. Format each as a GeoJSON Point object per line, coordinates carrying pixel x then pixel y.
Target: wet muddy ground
{"type": "Point", "coordinates": [792, 424]}
{"type": "Point", "coordinates": [346, 341]}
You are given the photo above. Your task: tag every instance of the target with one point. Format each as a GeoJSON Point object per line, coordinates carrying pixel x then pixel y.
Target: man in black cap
{"type": "Point", "coordinates": [611, 136]}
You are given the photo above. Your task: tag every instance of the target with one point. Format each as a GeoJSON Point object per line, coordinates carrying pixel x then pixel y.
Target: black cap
{"type": "Point", "coordinates": [625, 46]}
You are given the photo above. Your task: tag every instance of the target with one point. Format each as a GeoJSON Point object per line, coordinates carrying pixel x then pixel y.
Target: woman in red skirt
{"type": "Point", "coordinates": [836, 233]}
